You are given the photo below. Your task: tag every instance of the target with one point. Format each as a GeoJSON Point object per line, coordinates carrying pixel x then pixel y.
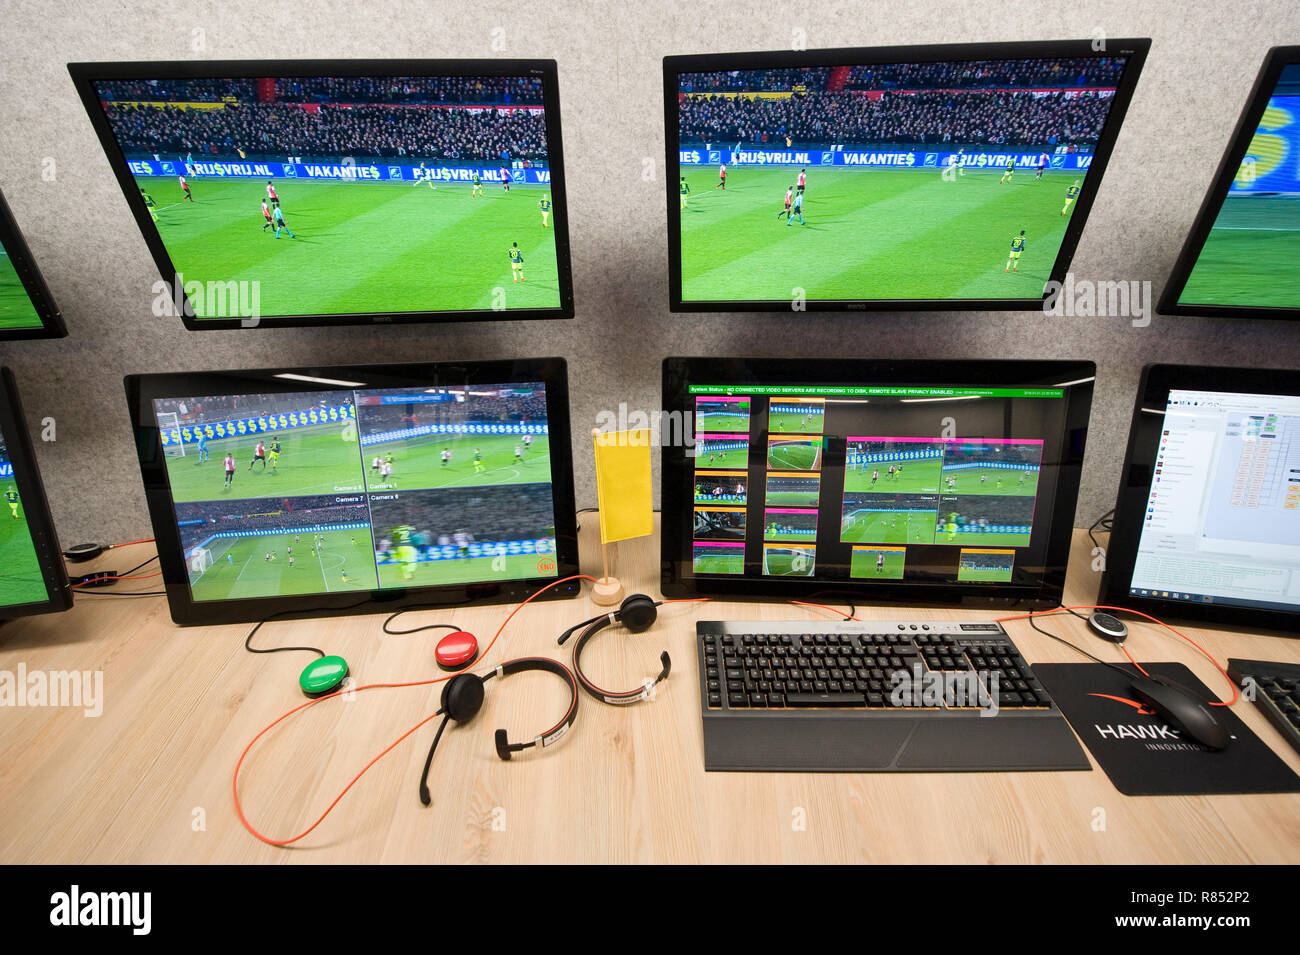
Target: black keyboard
{"type": "Point", "coordinates": [1276, 691]}
{"type": "Point", "coordinates": [875, 696]}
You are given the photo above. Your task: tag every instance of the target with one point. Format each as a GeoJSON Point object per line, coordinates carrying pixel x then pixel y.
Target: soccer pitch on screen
{"type": "Point", "coordinates": [465, 570]}
{"type": "Point", "coordinates": [314, 459]}
{"type": "Point", "coordinates": [417, 462]}
{"type": "Point", "coordinates": [863, 564]}
{"type": "Point", "coordinates": [20, 572]}
{"type": "Point", "coordinates": [360, 247]}
{"type": "Point", "coordinates": [1249, 257]}
{"type": "Point", "coordinates": [919, 476]}
{"type": "Point", "coordinates": [789, 561]}
{"type": "Point", "coordinates": [16, 309]}
{"type": "Point", "coordinates": [1014, 482]}
{"type": "Point", "coordinates": [794, 455]}
{"type": "Point", "coordinates": [888, 527]}
{"type": "Point", "coordinates": [870, 234]}
{"type": "Point", "coordinates": [241, 569]}
{"type": "Point", "coordinates": [707, 563]}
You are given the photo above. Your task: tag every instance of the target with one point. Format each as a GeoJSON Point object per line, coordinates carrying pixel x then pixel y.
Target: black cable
{"type": "Point", "coordinates": [143, 563]}
{"type": "Point", "coordinates": [248, 641]}
{"type": "Point", "coordinates": [424, 777]}
{"type": "Point", "coordinates": [431, 626]}
{"type": "Point", "coordinates": [1113, 666]}
{"type": "Point", "coordinates": [1104, 522]}
{"type": "Point", "coordinates": [119, 593]}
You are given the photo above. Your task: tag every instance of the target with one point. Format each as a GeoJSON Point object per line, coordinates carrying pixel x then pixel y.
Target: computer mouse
{"type": "Point", "coordinates": [323, 675]}
{"type": "Point", "coordinates": [1183, 710]}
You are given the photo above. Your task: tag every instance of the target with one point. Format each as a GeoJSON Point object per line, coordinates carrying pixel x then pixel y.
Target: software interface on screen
{"type": "Point", "coordinates": [21, 580]}
{"type": "Point", "coordinates": [320, 492]}
{"type": "Point", "coordinates": [345, 195]}
{"type": "Point", "coordinates": [1249, 257]}
{"type": "Point", "coordinates": [874, 482]}
{"type": "Point", "coordinates": [947, 180]}
{"type": "Point", "coordinates": [1222, 521]}
{"type": "Point", "coordinates": [16, 308]}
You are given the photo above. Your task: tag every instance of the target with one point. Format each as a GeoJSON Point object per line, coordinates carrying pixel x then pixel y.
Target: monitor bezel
{"type": "Point", "coordinates": [85, 75]}
{"type": "Point", "coordinates": [678, 372]}
{"type": "Point", "coordinates": [1135, 486]}
{"type": "Point", "coordinates": [20, 255]}
{"type": "Point", "coordinates": [1134, 48]}
{"type": "Point", "coordinates": [1260, 93]}
{"type": "Point", "coordinates": [141, 390]}
{"type": "Point", "coordinates": [36, 506]}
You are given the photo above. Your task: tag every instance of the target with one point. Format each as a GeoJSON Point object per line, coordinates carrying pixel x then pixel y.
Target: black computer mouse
{"type": "Point", "coordinates": [1183, 710]}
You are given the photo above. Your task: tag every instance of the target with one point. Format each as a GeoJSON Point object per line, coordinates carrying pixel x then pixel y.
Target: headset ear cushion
{"type": "Point", "coordinates": [637, 612]}
{"type": "Point", "coordinates": [462, 697]}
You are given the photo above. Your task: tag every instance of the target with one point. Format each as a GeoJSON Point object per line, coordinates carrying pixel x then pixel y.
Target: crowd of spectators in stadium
{"type": "Point", "coordinates": [1017, 74]}
{"type": "Point", "coordinates": [496, 90]}
{"type": "Point", "coordinates": [281, 130]}
{"type": "Point", "coordinates": [500, 90]}
{"type": "Point", "coordinates": [518, 512]}
{"type": "Point", "coordinates": [989, 117]}
{"type": "Point", "coordinates": [215, 408]}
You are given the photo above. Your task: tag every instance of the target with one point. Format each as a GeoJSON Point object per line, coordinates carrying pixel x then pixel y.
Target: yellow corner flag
{"type": "Point", "coordinates": [623, 484]}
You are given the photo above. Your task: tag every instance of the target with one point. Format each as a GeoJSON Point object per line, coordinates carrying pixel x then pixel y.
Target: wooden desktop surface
{"type": "Point", "coordinates": [149, 780]}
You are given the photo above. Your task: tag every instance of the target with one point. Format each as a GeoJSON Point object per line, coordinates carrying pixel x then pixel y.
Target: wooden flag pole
{"type": "Point", "coordinates": [608, 590]}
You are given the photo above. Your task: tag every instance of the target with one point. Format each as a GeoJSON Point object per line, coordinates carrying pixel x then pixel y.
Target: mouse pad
{"type": "Point", "coordinates": [1145, 757]}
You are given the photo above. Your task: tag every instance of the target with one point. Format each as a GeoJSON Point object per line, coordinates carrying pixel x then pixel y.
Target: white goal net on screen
{"type": "Point", "coordinates": [169, 424]}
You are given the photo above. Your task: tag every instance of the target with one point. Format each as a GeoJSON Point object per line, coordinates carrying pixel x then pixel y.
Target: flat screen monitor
{"type": "Point", "coordinates": [1207, 522]}
{"type": "Point", "coordinates": [27, 309]}
{"type": "Point", "coordinates": [915, 482]}
{"type": "Point", "coordinates": [930, 177]}
{"type": "Point", "coordinates": [357, 489]}
{"type": "Point", "coordinates": [32, 575]}
{"type": "Point", "coordinates": [328, 192]}
{"type": "Point", "coordinates": [1240, 258]}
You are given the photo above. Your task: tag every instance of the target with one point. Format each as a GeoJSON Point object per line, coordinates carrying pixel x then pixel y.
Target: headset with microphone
{"type": "Point", "coordinates": [462, 698]}
{"type": "Point", "coordinates": [638, 613]}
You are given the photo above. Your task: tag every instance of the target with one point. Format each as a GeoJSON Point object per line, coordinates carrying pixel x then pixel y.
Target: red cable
{"type": "Point", "coordinates": [234, 782]}
{"type": "Point", "coordinates": [143, 540]}
{"type": "Point", "coordinates": [1042, 613]}
{"type": "Point", "coordinates": [838, 613]}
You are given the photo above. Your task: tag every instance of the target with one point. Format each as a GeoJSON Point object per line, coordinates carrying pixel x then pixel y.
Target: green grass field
{"type": "Point", "coordinates": [723, 459]}
{"type": "Point", "coordinates": [1250, 255]}
{"type": "Point", "coordinates": [783, 421]}
{"type": "Point", "coordinates": [888, 527]}
{"type": "Point", "coordinates": [863, 564]}
{"type": "Point", "coordinates": [16, 309]}
{"type": "Point", "coordinates": [360, 246]}
{"type": "Point", "coordinates": [919, 476]}
{"type": "Point", "coordinates": [249, 574]}
{"type": "Point", "coordinates": [433, 573]}
{"type": "Point", "coordinates": [984, 574]}
{"type": "Point", "coordinates": [789, 561]}
{"type": "Point", "coordinates": [870, 233]}
{"type": "Point", "coordinates": [995, 481]}
{"type": "Point", "coordinates": [718, 564]}
{"type": "Point", "coordinates": [20, 573]}
{"type": "Point", "coordinates": [794, 455]}
{"type": "Point", "coordinates": [805, 535]}
{"type": "Point", "coordinates": [723, 422]}
{"type": "Point", "coordinates": [417, 462]}
{"type": "Point", "coordinates": [313, 460]}
{"type": "Point", "coordinates": [792, 498]}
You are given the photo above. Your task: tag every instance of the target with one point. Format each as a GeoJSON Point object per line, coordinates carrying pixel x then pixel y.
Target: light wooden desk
{"type": "Point", "coordinates": [150, 779]}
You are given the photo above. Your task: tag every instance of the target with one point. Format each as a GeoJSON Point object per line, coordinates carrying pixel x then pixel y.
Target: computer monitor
{"type": "Point", "coordinates": [32, 575]}
{"type": "Point", "coordinates": [27, 309]}
{"type": "Point", "coordinates": [916, 482]}
{"type": "Point", "coordinates": [926, 177]}
{"type": "Point", "coordinates": [312, 192]}
{"type": "Point", "coordinates": [1207, 521]}
{"type": "Point", "coordinates": [1239, 260]}
{"type": "Point", "coordinates": [357, 488]}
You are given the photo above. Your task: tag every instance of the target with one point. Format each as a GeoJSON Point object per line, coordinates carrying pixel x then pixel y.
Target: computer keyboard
{"type": "Point", "coordinates": [1277, 692]}
{"type": "Point", "coordinates": [879, 696]}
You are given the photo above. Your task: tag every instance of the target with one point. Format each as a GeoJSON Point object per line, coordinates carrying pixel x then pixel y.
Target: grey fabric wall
{"type": "Point", "coordinates": [1203, 58]}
